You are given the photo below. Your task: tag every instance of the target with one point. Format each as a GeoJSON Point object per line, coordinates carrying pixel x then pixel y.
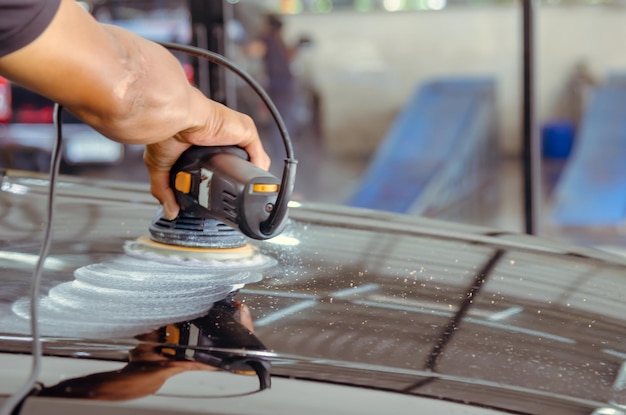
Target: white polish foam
{"type": "Point", "coordinates": [133, 294]}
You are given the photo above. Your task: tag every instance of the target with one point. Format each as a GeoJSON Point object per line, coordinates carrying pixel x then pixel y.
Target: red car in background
{"type": "Point", "coordinates": [5, 100]}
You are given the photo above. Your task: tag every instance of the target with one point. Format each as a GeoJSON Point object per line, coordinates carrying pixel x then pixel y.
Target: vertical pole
{"type": "Point", "coordinates": [230, 80]}
{"type": "Point", "coordinates": [530, 144]}
{"type": "Point", "coordinates": [207, 19]}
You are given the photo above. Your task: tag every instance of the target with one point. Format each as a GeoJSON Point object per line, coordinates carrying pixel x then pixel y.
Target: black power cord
{"type": "Point", "coordinates": [15, 400]}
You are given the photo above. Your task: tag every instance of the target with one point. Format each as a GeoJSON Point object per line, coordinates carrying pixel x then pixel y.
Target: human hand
{"type": "Point", "coordinates": [129, 89]}
{"type": "Point", "coordinates": [217, 125]}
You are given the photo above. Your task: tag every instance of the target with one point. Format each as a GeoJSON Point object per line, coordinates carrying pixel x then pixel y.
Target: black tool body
{"type": "Point", "coordinates": [220, 183]}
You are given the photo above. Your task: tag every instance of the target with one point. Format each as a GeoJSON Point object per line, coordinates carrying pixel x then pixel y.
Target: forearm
{"type": "Point", "coordinates": [131, 90]}
{"type": "Point", "coordinates": [151, 100]}
{"type": "Point", "coordinates": [114, 80]}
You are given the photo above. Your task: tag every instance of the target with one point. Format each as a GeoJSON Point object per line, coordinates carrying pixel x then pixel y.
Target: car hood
{"type": "Point", "coordinates": [358, 297]}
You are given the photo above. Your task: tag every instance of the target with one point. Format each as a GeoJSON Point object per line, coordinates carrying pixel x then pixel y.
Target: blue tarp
{"type": "Point", "coordinates": [592, 187]}
{"type": "Point", "coordinates": [423, 139]}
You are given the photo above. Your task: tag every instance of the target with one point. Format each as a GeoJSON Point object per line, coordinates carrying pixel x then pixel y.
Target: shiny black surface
{"type": "Point", "coordinates": [376, 300]}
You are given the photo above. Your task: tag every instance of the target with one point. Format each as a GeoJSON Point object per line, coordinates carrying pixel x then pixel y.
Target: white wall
{"type": "Point", "coordinates": [366, 65]}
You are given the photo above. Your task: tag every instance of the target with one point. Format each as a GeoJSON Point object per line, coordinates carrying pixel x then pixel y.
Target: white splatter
{"type": "Point", "coordinates": [133, 294]}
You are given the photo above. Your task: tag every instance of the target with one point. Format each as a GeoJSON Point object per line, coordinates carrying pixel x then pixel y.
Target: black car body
{"type": "Point", "coordinates": [361, 312]}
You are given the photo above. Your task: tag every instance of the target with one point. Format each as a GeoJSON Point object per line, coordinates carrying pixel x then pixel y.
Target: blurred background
{"type": "Point", "coordinates": [410, 106]}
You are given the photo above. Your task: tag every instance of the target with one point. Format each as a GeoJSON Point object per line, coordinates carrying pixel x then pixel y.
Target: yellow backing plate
{"type": "Point", "coordinates": [148, 244]}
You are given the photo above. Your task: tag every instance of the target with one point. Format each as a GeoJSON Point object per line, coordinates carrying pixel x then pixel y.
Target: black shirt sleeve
{"type": "Point", "coordinates": [22, 21]}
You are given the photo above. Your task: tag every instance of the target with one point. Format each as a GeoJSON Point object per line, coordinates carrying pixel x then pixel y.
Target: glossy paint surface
{"type": "Point", "coordinates": [362, 298]}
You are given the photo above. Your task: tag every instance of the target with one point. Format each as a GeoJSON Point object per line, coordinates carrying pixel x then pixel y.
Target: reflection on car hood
{"type": "Point", "coordinates": [375, 299]}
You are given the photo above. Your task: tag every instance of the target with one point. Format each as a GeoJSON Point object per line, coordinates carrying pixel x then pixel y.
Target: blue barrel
{"type": "Point", "coordinates": [557, 138]}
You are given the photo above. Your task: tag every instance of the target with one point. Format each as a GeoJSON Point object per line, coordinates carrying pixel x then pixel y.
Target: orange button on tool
{"type": "Point", "coordinates": [183, 182]}
{"type": "Point", "coordinates": [264, 188]}
{"type": "Point", "coordinates": [172, 336]}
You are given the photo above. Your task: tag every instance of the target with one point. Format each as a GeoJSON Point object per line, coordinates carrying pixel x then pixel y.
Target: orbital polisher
{"type": "Point", "coordinates": [224, 198]}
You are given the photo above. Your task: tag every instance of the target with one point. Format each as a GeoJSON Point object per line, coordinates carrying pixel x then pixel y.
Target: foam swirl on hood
{"type": "Point", "coordinates": [135, 293]}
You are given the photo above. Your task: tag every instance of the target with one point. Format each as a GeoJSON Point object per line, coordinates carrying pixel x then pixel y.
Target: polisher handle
{"type": "Point", "coordinates": [220, 183]}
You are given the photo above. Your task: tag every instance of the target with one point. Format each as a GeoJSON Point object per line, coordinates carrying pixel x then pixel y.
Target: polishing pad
{"type": "Point", "coordinates": [144, 243]}
{"type": "Point", "coordinates": [244, 257]}
{"type": "Point", "coordinates": [189, 230]}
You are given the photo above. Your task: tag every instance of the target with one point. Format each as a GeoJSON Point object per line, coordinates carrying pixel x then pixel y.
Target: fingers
{"type": "Point", "coordinates": [258, 156]}
{"type": "Point", "coordinates": [159, 159]}
{"type": "Point", "coordinates": [251, 142]}
{"type": "Point", "coordinates": [224, 126]}
{"type": "Point", "coordinates": [217, 125]}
